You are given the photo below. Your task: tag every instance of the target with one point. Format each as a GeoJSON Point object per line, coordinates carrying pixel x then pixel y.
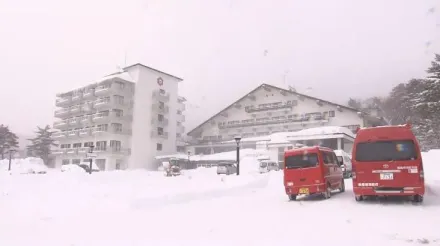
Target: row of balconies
{"type": "Point", "coordinates": [100, 104]}
{"type": "Point", "coordinates": [91, 119]}
{"type": "Point", "coordinates": [88, 132]}
{"type": "Point", "coordinates": [90, 94]}
{"type": "Point", "coordinates": [98, 150]}
{"type": "Point", "coordinates": [302, 121]}
{"type": "Point", "coordinates": [266, 107]}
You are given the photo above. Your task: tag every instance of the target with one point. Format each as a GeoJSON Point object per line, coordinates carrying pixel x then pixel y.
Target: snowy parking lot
{"type": "Point", "coordinates": [203, 208]}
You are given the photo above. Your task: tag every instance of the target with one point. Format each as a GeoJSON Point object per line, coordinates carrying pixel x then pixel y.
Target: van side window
{"type": "Point", "coordinates": [325, 157]}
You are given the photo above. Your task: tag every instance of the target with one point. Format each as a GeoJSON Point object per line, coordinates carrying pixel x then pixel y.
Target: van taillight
{"type": "Point", "coordinates": [353, 172]}
{"type": "Point", "coordinates": [421, 172]}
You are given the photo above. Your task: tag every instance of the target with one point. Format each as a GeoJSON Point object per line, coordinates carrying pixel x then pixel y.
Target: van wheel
{"type": "Point", "coordinates": [358, 198]}
{"type": "Point", "coordinates": [292, 197]}
{"type": "Point", "coordinates": [418, 198]}
{"type": "Point", "coordinates": [328, 192]}
{"type": "Point", "coordinates": [342, 186]}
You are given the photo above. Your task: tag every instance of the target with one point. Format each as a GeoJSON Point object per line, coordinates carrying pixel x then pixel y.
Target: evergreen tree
{"type": "Point", "coordinates": [355, 103]}
{"type": "Point", "coordinates": [8, 140]}
{"type": "Point", "coordinates": [426, 106]}
{"type": "Point", "coordinates": [41, 145]}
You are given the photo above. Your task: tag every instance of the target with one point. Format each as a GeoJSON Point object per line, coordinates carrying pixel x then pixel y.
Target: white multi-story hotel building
{"type": "Point", "coordinates": [129, 117]}
{"type": "Point", "coordinates": [269, 109]}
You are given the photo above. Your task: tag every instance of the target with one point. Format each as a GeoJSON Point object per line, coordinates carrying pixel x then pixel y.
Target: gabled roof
{"type": "Point", "coordinates": [139, 64]}
{"type": "Point", "coordinates": [274, 88]}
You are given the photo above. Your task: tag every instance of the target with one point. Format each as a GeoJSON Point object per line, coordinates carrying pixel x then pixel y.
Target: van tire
{"type": "Point", "coordinates": [358, 198]}
{"type": "Point", "coordinates": [328, 192]}
{"type": "Point", "coordinates": [292, 197]}
{"type": "Point", "coordinates": [418, 199]}
{"type": "Point", "coordinates": [342, 188]}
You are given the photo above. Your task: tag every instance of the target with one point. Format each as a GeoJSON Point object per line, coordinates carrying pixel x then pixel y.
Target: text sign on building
{"type": "Point", "coordinates": [91, 155]}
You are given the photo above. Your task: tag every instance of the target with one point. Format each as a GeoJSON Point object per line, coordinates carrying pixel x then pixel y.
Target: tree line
{"type": "Point", "coordinates": [39, 146]}
{"type": "Point", "coordinates": [416, 101]}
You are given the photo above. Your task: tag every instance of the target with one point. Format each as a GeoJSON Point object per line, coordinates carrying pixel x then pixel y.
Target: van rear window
{"type": "Point", "coordinates": [386, 151]}
{"type": "Point", "coordinates": [301, 161]}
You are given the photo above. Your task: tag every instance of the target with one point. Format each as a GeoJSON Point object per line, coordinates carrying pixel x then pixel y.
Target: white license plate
{"type": "Point", "coordinates": [386, 176]}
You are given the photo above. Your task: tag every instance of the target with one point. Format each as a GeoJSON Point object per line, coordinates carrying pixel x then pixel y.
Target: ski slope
{"type": "Point", "coordinates": [202, 208]}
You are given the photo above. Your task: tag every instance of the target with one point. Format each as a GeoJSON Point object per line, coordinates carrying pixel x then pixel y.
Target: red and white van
{"type": "Point", "coordinates": [312, 170]}
{"type": "Point", "coordinates": [387, 162]}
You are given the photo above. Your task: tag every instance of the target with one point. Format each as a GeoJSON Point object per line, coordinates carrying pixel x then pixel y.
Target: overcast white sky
{"type": "Point", "coordinates": [340, 48]}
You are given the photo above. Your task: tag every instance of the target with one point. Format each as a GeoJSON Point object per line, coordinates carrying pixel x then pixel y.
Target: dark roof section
{"type": "Point", "coordinates": [139, 64]}
{"type": "Point", "coordinates": [275, 88]}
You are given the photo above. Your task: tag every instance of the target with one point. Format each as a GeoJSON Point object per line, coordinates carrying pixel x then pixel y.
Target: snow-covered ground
{"type": "Point", "coordinates": [203, 208]}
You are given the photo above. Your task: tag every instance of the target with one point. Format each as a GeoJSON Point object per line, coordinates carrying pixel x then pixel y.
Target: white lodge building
{"type": "Point", "coordinates": [269, 109]}
{"type": "Point", "coordinates": [130, 117]}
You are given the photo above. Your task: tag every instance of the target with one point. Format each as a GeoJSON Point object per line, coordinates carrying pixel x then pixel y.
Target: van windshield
{"type": "Point", "coordinates": [263, 164]}
{"type": "Point", "coordinates": [402, 150]}
{"type": "Point", "coordinates": [301, 161]}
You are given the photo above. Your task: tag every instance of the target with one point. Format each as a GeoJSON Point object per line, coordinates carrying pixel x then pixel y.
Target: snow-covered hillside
{"type": "Point", "coordinates": [203, 208]}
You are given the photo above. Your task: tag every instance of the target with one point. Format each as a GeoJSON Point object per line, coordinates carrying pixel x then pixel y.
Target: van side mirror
{"type": "Point", "coordinates": [340, 163]}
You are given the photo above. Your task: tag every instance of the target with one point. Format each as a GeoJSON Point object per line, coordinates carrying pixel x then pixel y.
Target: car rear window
{"type": "Point", "coordinates": [301, 161]}
{"type": "Point", "coordinates": [403, 150]}
{"type": "Point", "coordinates": [263, 164]}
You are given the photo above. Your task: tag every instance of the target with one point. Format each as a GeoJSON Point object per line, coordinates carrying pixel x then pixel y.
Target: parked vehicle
{"type": "Point", "coordinates": [226, 168]}
{"type": "Point", "coordinates": [344, 162]}
{"type": "Point", "coordinates": [312, 170]}
{"type": "Point", "coordinates": [86, 166]}
{"type": "Point", "coordinates": [267, 166]}
{"type": "Point", "coordinates": [387, 162]}
{"type": "Point", "coordinates": [172, 168]}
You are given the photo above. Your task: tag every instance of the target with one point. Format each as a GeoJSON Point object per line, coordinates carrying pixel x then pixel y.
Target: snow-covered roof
{"type": "Point", "coordinates": [122, 75]}
{"type": "Point", "coordinates": [224, 156]}
{"type": "Point", "coordinates": [311, 133]}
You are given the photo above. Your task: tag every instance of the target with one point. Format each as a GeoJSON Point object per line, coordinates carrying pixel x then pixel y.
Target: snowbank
{"type": "Point", "coordinates": [72, 168]}
{"type": "Point", "coordinates": [24, 166]}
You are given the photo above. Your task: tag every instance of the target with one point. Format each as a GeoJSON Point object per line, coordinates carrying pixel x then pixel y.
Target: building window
{"type": "Point", "coordinates": [101, 145]}
{"type": "Point", "coordinates": [65, 162]}
{"type": "Point", "coordinates": [120, 85]}
{"type": "Point", "coordinates": [102, 128]}
{"type": "Point", "coordinates": [162, 91]}
{"type": "Point", "coordinates": [88, 144]}
{"type": "Point", "coordinates": [76, 161]}
{"type": "Point", "coordinates": [331, 113]}
{"type": "Point", "coordinates": [159, 147]}
{"type": "Point", "coordinates": [160, 130]}
{"type": "Point", "coordinates": [76, 145]}
{"type": "Point", "coordinates": [118, 99]}
{"type": "Point", "coordinates": [117, 127]}
{"type": "Point", "coordinates": [179, 112]}
{"type": "Point", "coordinates": [160, 117]}
{"type": "Point", "coordinates": [115, 145]}
{"type": "Point", "coordinates": [178, 135]}
{"type": "Point", "coordinates": [161, 105]}
{"type": "Point", "coordinates": [118, 112]}
{"type": "Point", "coordinates": [65, 146]}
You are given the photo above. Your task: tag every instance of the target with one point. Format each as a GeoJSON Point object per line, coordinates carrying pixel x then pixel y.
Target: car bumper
{"type": "Point", "coordinates": [312, 189]}
{"type": "Point", "coordinates": [383, 191]}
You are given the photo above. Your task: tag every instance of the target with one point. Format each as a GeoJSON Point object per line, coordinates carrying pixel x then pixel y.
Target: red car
{"type": "Point", "coordinates": [312, 170]}
{"type": "Point", "coordinates": [387, 161]}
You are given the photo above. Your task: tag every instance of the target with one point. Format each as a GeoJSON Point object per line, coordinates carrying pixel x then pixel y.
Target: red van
{"type": "Point", "coordinates": [312, 170]}
{"type": "Point", "coordinates": [387, 162]}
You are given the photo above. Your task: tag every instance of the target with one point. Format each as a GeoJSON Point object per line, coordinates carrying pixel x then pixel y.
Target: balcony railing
{"type": "Point", "coordinates": [157, 122]}
{"type": "Point", "coordinates": [279, 121]}
{"type": "Point", "coordinates": [102, 89]}
{"type": "Point", "coordinates": [60, 124]}
{"type": "Point", "coordinates": [181, 118]}
{"type": "Point", "coordinates": [62, 101]}
{"type": "Point", "coordinates": [102, 101]}
{"type": "Point", "coordinates": [161, 96]}
{"type": "Point", "coordinates": [160, 108]}
{"type": "Point", "coordinates": [62, 112]}
{"type": "Point", "coordinates": [85, 132]}
{"type": "Point", "coordinates": [180, 129]}
{"type": "Point", "coordinates": [89, 94]}
{"type": "Point", "coordinates": [155, 134]}
{"type": "Point", "coordinates": [77, 97]}
{"type": "Point", "coordinates": [58, 135]}
{"type": "Point", "coordinates": [269, 107]}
